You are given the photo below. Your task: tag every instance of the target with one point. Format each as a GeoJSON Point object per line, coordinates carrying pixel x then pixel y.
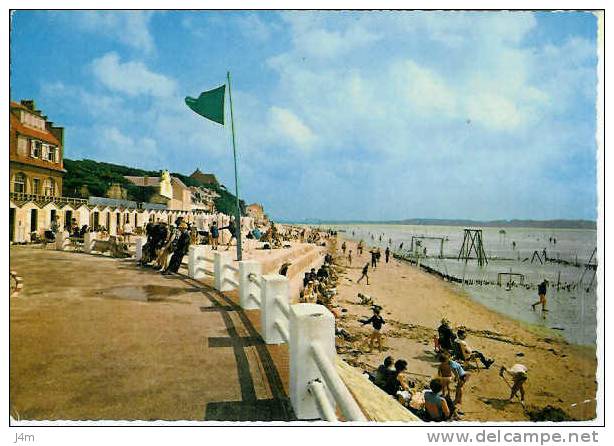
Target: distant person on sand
{"type": "Point", "coordinates": [387, 252]}
{"type": "Point", "coordinates": [365, 273]}
{"type": "Point", "coordinates": [360, 246]}
{"type": "Point", "coordinates": [518, 374]}
{"type": "Point", "coordinates": [513, 245]}
{"type": "Point", "coordinates": [376, 321]}
{"type": "Point", "coordinates": [350, 257]}
{"type": "Point", "coordinates": [343, 247]}
{"type": "Point", "coordinates": [373, 258]}
{"type": "Point", "coordinates": [541, 291]}
{"type": "Point", "coordinates": [401, 246]}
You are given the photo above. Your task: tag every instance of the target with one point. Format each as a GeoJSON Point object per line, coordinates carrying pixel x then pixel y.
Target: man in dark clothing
{"type": "Point", "coordinates": [387, 252]}
{"type": "Point", "coordinates": [541, 291]}
{"type": "Point", "coordinates": [446, 335]}
{"type": "Point", "coordinates": [365, 271]}
{"type": "Point", "coordinates": [394, 384]}
{"type": "Point", "coordinates": [181, 249]}
{"type": "Point", "coordinates": [380, 377]}
{"type": "Point", "coordinates": [373, 258]}
{"type": "Point", "coordinates": [215, 234]}
{"type": "Point", "coordinates": [233, 232]}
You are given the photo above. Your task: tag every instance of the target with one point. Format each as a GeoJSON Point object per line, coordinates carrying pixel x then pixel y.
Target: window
{"type": "Point", "coordinates": [51, 154]}
{"type": "Point", "coordinates": [36, 186]}
{"type": "Point", "coordinates": [37, 148]}
{"type": "Point", "coordinates": [19, 183]}
{"type": "Point", "coordinates": [49, 187]}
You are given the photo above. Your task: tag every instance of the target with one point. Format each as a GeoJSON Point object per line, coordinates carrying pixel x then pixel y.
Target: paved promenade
{"type": "Point", "coordinates": [98, 338]}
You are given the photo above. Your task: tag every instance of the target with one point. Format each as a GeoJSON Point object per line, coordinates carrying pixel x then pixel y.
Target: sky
{"type": "Point", "coordinates": [338, 115]}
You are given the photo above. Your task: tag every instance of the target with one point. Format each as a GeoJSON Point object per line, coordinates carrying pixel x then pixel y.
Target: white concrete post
{"type": "Point", "coordinates": [196, 261]}
{"type": "Point", "coordinates": [88, 242]}
{"type": "Point", "coordinates": [60, 240]}
{"type": "Point", "coordinates": [309, 324]}
{"type": "Point", "coordinates": [274, 287]}
{"type": "Point", "coordinates": [246, 286]}
{"type": "Point", "coordinates": [220, 261]}
{"type": "Point", "coordinates": [140, 241]}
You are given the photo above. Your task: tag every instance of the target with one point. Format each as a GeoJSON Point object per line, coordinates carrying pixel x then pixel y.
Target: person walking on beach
{"type": "Point", "coordinates": [350, 257]}
{"type": "Point", "coordinates": [365, 271]}
{"type": "Point", "coordinates": [376, 321]}
{"type": "Point", "coordinates": [360, 246]}
{"type": "Point", "coordinates": [387, 252]}
{"type": "Point", "coordinates": [541, 292]}
{"type": "Point", "coordinates": [343, 247]}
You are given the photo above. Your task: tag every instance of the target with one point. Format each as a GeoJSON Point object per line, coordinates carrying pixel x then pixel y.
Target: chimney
{"type": "Point", "coordinates": [29, 104]}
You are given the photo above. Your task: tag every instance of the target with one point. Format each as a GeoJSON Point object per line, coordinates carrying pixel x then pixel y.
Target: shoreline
{"type": "Point", "coordinates": [413, 303]}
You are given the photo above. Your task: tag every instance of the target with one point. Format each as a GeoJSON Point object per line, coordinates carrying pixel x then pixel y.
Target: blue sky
{"type": "Point", "coordinates": [339, 115]}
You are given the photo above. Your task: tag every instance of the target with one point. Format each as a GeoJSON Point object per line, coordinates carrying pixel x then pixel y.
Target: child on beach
{"type": "Point", "coordinates": [365, 271]}
{"type": "Point", "coordinates": [376, 321]}
{"type": "Point", "coordinates": [518, 373]}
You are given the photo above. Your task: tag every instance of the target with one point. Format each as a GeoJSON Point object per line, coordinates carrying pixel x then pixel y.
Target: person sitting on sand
{"type": "Point", "coordinates": [365, 273]}
{"type": "Point", "coordinates": [468, 353]}
{"type": "Point", "coordinates": [395, 385]}
{"type": "Point", "coordinates": [541, 291]}
{"type": "Point", "coordinates": [446, 335]}
{"type": "Point", "coordinates": [436, 405]}
{"type": "Point", "coordinates": [376, 321]}
{"type": "Point", "coordinates": [283, 271]}
{"type": "Point", "coordinates": [380, 377]}
{"type": "Point", "coordinates": [518, 374]}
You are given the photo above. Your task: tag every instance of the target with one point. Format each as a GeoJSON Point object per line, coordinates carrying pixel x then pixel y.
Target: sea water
{"type": "Point", "coordinates": [572, 313]}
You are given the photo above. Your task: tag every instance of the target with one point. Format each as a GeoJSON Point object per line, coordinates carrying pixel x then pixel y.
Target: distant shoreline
{"type": "Point", "coordinates": [537, 224]}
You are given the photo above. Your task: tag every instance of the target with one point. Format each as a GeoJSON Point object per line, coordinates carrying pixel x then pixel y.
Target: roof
{"type": "Point", "coordinates": [178, 181]}
{"type": "Point", "coordinates": [143, 181]}
{"type": "Point", "coordinates": [34, 133]}
{"type": "Point", "coordinates": [113, 202]}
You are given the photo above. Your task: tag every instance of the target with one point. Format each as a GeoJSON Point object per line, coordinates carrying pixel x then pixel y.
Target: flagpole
{"type": "Point", "coordinates": [234, 153]}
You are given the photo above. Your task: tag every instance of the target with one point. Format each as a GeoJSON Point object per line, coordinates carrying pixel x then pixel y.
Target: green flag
{"type": "Point", "coordinates": [210, 104]}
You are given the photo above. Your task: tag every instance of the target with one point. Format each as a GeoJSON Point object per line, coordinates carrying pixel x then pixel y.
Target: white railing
{"type": "Point", "coordinates": [316, 389]}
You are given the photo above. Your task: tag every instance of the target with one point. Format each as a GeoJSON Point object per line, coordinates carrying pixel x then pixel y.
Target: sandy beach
{"type": "Point", "coordinates": [560, 374]}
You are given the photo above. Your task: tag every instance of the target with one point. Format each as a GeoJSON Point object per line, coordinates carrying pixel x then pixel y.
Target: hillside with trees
{"type": "Point", "coordinates": [86, 178]}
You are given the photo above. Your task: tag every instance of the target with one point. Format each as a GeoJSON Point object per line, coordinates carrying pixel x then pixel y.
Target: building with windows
{"type": "Point", "coordinates": [170, 190]}
{"type": "Point", "coordinates": [36, 170]}
{"type": "Point", "coordinates": [256, 212]}
{"type": "Point", "coordinates": [35, 152]}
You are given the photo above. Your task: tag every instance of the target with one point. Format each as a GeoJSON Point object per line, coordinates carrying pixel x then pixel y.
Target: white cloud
{"type": "Point", "coordinates": [129, 27]}
{"type": "Point", "coordinates": [132, 78]}
{"type": "Point", "coordinates": [290, 126]}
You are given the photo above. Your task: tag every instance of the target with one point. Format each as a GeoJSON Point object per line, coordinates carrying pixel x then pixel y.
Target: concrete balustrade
{"type": "Point", "coordinates": [88, 241]}
{"type": "Point", "coordinates": [275, 300]}
{"type": "Point", "coordinates": [139, 243]}
{"type": "Point", "coordinates": [316, 390]}
{"type": "Point", "coordinates": [196, 261]}
{"type": "Point", "coordinates": [249, 284]}
{"type": "Point", "coordinates": [309, 324]}
{"type": "Point", "coordinates": [61, 240]}
{"type": "Point", "coordinates": [223, 275]}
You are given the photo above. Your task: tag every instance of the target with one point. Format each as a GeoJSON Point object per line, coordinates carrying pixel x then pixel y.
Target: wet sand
{"type": "Point", "coordinates": [560, 374]}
